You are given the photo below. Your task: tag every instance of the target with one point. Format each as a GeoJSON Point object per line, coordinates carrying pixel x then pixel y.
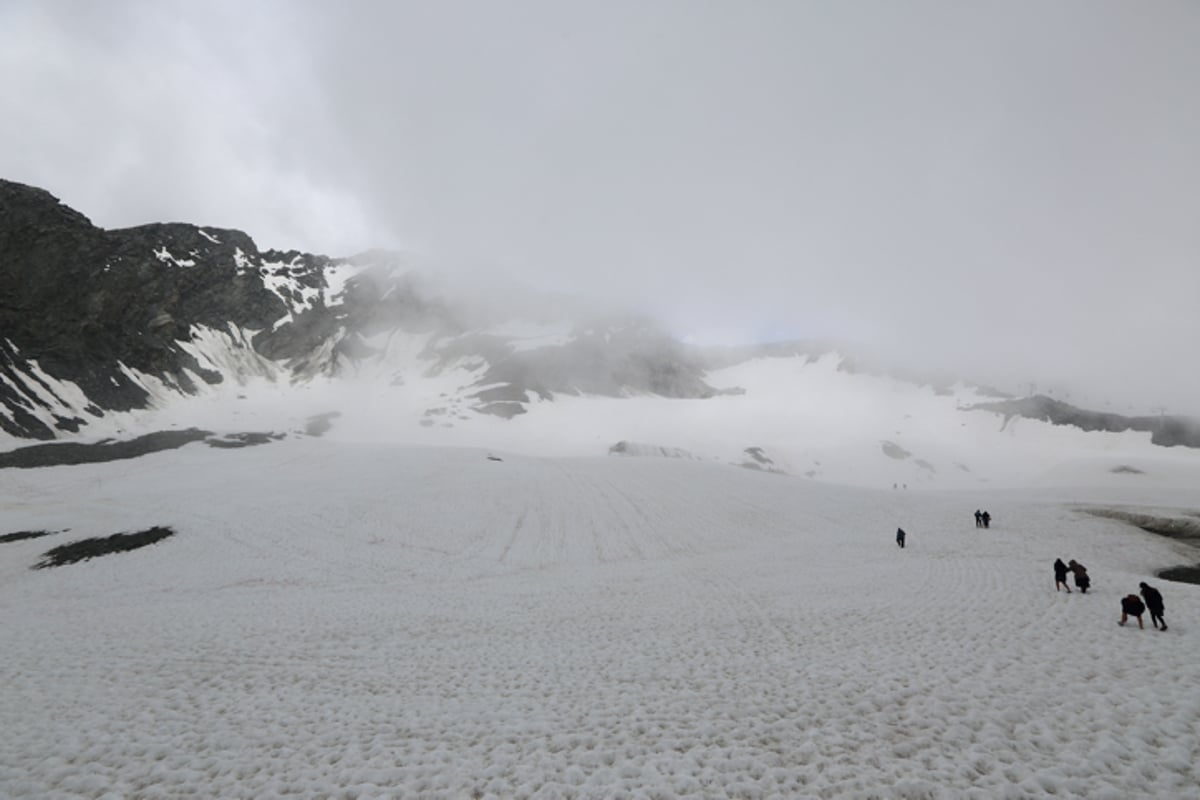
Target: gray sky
{"type": "Point", "coordinates": [1010, 190]}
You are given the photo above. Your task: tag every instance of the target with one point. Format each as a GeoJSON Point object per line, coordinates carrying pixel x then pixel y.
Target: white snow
{"type": "Point", "coordinates": [528, 335]}
{"type": "Point", "coordinates": [229, 352]}
{"type": "Point", "coordinates": [242, 262]}
{"type": "Point", "coordinates": [208, 236]}
{"type": "Point", "coordinates": [337, 275]}
{"type": "Point", "coordinates": [278, 277]}
{"type": "Point", "coordinates": [164, 255]}
{"type": "Point", "coordinates": [44, 396]}
{"type": "Point", "coordinates": [335, 619]}
{"type": "Point", "coordinates": [281, 278]}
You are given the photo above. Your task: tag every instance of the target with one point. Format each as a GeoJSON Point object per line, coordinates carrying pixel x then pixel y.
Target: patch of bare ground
{"type": "Point", "coordinates": [84, 549]}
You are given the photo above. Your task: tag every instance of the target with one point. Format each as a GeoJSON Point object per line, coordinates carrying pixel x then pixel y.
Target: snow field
{"type": "Point", "coordinates": [812, 417]}
{"type": "Point", "coordinates": [348, 621]}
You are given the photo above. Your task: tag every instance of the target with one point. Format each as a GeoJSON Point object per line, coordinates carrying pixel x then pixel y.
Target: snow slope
{"type": "Point", "coordinates": [352, 620]}
{"type": "Point", "coordinates": [813, 418]}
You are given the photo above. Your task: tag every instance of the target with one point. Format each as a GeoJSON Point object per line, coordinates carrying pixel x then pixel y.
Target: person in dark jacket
{"type": "Point", "coordinates": [1131, 606]}
{"type": "Point", "coordinates": [987, 519]}
{"type": "Point", "coordinates": [978, 518]}
{"type": "Point", "coordinates": [900, 537]}
{"type": "Point", "coordinates": [1060, 576]}
{"type": "Point", "coordinates": [1082, 581]}
{"type": "Point", "coordinates": [1154, 604]}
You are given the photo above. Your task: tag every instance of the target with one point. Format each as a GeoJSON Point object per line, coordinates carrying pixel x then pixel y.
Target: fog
{"type": "Point", "coordinates": [1010, 192]}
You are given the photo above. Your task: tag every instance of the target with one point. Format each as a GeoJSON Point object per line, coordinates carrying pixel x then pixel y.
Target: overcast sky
{"type": "Point", "coordinates": [1010, 190]}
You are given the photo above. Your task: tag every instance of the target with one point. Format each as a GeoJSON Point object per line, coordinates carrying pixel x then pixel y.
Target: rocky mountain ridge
{"type": "Point", "coordinates": [105, 313]}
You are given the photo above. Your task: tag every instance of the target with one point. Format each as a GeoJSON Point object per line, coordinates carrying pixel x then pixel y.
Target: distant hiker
{"type": "Point", "coordinates": [978, 518]}
{"type": "Point", "coordinates": [1154, 604]}
{"type": "Point", "coordinates": [987, 519]}
{"type": "Point", "coordinates": [1060, 576]}
{"type": "Point", "coordinates": [900, 537]}
{"type": "Point", "coordinates": [1082, 581]}
{"type": "Point", "coordinates": [1131, 606]}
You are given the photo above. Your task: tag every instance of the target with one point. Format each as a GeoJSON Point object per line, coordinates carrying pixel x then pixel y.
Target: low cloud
{"type": "Point", "coordinates": [1007, 193]}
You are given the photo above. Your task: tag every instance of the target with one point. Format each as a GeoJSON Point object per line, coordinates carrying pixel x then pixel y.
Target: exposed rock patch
{"type": "Point", "coordinates": [760, 461]}
{"type": "Point", "coordinates": [85, 549]}
{"type": "Point", "coordinates": [1184, 529]}
{"type": "Point", "coordinates": [64, 453]}
{"type": "Point", "coordinates": [56, 454]}
{"type": "Point", "coordinates": [626, 448]}
{"type": "Point", "coordinates": [1181, 574]}
{"type": "Point", "coordinates": [234, 440]}
{"type": "Point", "coordinates": [320, 424]}
{"type": "Point", "coordinates": [21, 535]}
{"type": "Point", "coordinates": [1165, 430]}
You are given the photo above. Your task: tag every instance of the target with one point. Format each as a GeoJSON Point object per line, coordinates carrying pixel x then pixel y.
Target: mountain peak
{"type": "Point", "coordinates": [104, 327]}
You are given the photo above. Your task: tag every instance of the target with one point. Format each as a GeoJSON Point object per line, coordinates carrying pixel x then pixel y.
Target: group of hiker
{"type": "Point", "coordinates": [982, 520]}
{"type": "Point", "coordinates": [1131, 604]}
{"type": "Point", "coordinates": [1082, 581]}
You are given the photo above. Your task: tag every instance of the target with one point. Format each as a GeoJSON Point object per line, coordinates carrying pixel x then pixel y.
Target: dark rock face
{"type": "Point", "coordinates": [86, 549]}
{"type": "Point", "coordinates": [54, 454]}
{"type": "Point", "coordinates": [22, 535]}
{"type": "Point", "coordinates": [81, 302]}
{"type": "Point", "coordinates": [1168, 431]}
{"type": "Point", "coordinates": [104, 309]}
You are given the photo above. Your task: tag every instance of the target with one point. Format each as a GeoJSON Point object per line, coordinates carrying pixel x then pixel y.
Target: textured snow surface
{"type": "Point", "coordinates": [355, 621]}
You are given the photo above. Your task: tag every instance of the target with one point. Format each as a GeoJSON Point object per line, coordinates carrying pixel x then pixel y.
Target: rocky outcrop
{"type": "Point", "coordinates": [90, 307]}
{"type": "Point", "coordinates": [1165, 430]}
{"type": "Point", "coordinates": [612, 359]}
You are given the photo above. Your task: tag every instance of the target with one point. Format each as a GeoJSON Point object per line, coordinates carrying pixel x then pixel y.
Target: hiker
{"type": "Point", "coordinates": [900, 537]}
{"type": "Point", "coordinates": [1131, 606]}
{"type": "Point", "coordinates": [978, 518]}
{"type": "Point", "coordinates": [1154, 603]}
{"type": "Point", "coordinates": [1060, 576]}
{"type": "Point", "coordinates": [1082, 581]}
{"type": "Point", "coordinates": [987, 519]}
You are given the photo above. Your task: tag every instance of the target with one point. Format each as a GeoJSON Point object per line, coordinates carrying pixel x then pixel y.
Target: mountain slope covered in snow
{"type": "Point", "coordinates": [117, 334]}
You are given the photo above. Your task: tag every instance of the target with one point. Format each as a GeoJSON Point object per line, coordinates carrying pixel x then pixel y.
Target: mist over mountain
{"type": "Point", "coordinates": [100, 324]}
